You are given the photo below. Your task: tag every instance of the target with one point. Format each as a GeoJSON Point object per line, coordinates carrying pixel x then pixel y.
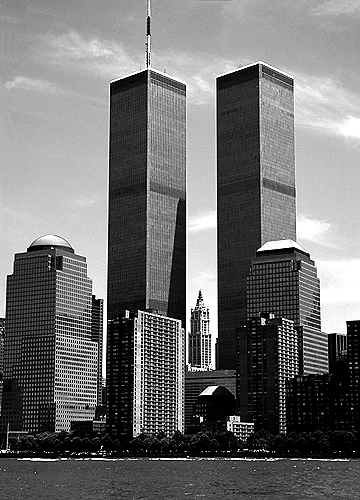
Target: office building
{"type": "Point", "coordinates": [145, 374]}
{"type": "Point", "coordinates": [337, 349]}
{"type": "Point", "coordinates": [213, 407]}
{"type": "Point", "coordinates": [50, 369]}
{"type": "Point", "coordinates": [283, 281]}
{"type": "Point", "coordinates": [147, 195]}
{"type": "Point", "coordinates": [97, 333]}
{"type": "Point", "coordinates": [353, 357]}
{"type": "Point", "coordinates": [268, 355]}
{"type": "Point", "coordinates": [200, 338]}
{"type": "Point", "coordinates": [255, 183]}
{"type": "Point", "coordinates": [197, 381]}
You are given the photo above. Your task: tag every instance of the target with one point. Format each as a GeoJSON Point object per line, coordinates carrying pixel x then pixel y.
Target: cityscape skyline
{"type": "Point", "coordinates": [54, 127]}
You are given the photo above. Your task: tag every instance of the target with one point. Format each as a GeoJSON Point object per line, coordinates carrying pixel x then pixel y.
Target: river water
{"type": "Point", "coordinates": [178, 479]}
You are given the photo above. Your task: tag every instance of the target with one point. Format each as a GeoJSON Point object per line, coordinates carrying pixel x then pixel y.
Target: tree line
{"type": "Point", "coordinates": [318, 443]}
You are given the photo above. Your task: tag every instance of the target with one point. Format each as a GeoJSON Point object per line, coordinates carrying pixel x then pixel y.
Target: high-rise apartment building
{"type": "Point", "coordinates": [268, 355]}
{"type": "Point", "coordinates": [147, 195]}
{"type": "Point", "coordinates": [283, 280]}
{"type": "Point", "coordinates": [200, 337]}
{"type": "Point", "coordinates": [50, 369]}
{"type": "Point", "coordinates": [97, 333]}
{"type": "Point", "coordinates": [255, 183]}
{"type": "Point", "coordinates": [145, 374]}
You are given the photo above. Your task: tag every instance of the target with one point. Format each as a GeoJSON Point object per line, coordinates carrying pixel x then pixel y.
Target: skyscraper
{"type": "Point", "coordinates": [145, 374]}
{"type": "Point", "coordinates": [200, 338]}
{"type": "Point", "coordinates": [50, 369]}
{"type": "Point", "coordinates": [147, 195]}
{"type": "Point", "coordinates": [255, 183]}
{"type": "Point", "coordinates": [268, 355]}
{"type": "Point", "coordinates": [283, 280]}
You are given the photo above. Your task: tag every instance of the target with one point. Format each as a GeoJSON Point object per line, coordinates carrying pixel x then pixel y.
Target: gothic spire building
{"type": "Point", "coordinates": [200, 337]}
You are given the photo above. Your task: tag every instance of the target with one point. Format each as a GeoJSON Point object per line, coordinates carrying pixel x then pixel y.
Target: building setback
{"type": "Point", "coordinates": [145, 374]}
{"type": "Point", "coordinates": [255, 183]}
{"type": "Point", "coordinates": [200, 338]}
{"type": "Point", "coordinates": [268, 355]}
{"type": "Point", "coordinates": [283, 281]}
{"type": "Point", "coordinates": [147, 195]}
{"type": "Point", "coordinates": [50, 369]}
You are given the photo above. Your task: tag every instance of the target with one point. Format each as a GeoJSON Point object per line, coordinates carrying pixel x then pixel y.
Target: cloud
{"type": "Point", "coordinates": [340, 281]}
{"type": "Point", "coordinates": [337, 8]}
{"type": "Point", "coordinates": [321, 103]}
{"type": "Point", "coordinates": [26, 83]}
{"type": "Point", "coordinates": [109, 59]}
{"type": "Point", "coordinates": [202, 222]}
{"type": "Point", "coordinates": [102, 57]}
{"type": "Point", "coordinates": [325, 105]}
{"type": "Point", "coordinates": [84, 201]}
{"type": "Point", "coordinates": [315, 231]}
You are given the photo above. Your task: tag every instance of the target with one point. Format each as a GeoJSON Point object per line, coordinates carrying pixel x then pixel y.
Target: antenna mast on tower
{"type": "Point", "coordinates": [148, 35]}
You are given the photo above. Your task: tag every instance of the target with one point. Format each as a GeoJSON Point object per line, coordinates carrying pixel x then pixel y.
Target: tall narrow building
{"type": "Point", "coordinates": [97, 334]}
{"type": "Point", "coordinates": [147, 195]}
{"type": "Point", "coordinates": [268, 355]}
{"type": "Point", "coordinates": [200, 337]}
{"type": "Point", "coordinates": [50, 361]}
{"type": "Point", "coordinates": [145, 374]}
{"type": "Point", "coordinates": [255, 183]}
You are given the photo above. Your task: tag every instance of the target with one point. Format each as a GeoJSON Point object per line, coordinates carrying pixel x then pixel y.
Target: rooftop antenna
{"type": "Point", "coordinates": [148, 35]}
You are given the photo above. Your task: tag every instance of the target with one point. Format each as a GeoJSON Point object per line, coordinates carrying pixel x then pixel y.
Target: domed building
{"type": "Point", "coordinates": [51, 361]}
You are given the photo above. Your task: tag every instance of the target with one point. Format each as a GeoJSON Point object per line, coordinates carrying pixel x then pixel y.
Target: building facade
{"type": "Point", "coordinates": [145, 374]}
{"type": "Point", "coordinates": [2, 343]}
{"type": "Point", "coordinates": [97, 334]}
{"type": "Point", "coordinates": [337, 349]}
{"type": "Point", "coordinates": [283, 281]}
{"type": "Point", "coordinates": [147, 195]}
{"type": "Point", "coordinates": [255, 183]}
{"type": "Point", "coordinates": [197, 381]}
{"type": "Point", "coordinates": [50, 369]}
{"type": "Point", "coordinates": [353, 357]}
{"type": "Point", "coordinates": [200, 338]}
{"type": "Point", "coordinates": [268, 355]}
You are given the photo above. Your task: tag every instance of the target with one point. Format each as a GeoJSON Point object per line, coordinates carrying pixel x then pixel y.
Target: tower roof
{"type": "Point", "coordinates": [279, 245]}
{"type": "Point", "coordinates": [216, 390]}
{"type": "Point", "coordinates": [50, 241]}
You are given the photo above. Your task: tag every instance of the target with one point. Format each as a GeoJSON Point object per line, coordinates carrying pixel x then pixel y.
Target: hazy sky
{"type": "Point", "coordinates": [56, 61]}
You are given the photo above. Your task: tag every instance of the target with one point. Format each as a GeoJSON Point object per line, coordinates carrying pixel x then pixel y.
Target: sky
{"type": "Point", "coordinates": [56, 62]}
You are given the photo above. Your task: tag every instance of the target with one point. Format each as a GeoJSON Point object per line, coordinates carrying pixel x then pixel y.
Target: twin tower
{"type": "Point", "coordinates": [147, 189]}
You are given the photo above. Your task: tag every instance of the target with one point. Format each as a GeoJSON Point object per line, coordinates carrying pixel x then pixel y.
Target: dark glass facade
{"type": "Point", "coordinates": [147, 195]}
{"type": "Point", "coordinates": [268, 355]}
{"type": "Point", "coordinates": [50, 368]}
{"type": "Point", "coordinates": [255, 183]}
{"type": "Point", "coordinates": [284, 281]}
